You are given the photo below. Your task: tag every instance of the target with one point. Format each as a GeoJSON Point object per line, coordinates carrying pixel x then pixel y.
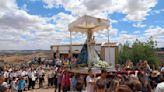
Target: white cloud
{"type": "Point", "coordinates": [75, 6]}
{"type": "Point", "coordinates": [127, 37]}
{"type": "Point", "coordinates": [97, 5]}
{"type": "Point", "coordinates": [50, 3]}
{"type": "Point", "coordinates": [21, 30]}
{"type": "Point", "coordinates": [136, 32]}
{"type": "Point", "coordinates": [154, 12]}
{"type": "Point", "coordinates": [124, 32]}
{"type": "Point", "coordinates": [158, 31]}
{"type": "Point", "coordinates": [8, 5]}
{"type": "Point", "coordinates": [113, 21]}
{"type": "Point", "coordinates": [24, 7]}
{"type": "Point", "coordinates": [158, 35]}
{"type": "Point", "coordinates": [102, 36]}
{"type": "Point", "coordinates": [139, 25]}
{"type": "Point", "coordinates": [160, 42]}
{"type": "Point", "coordinates": [113, 32]}
{"type": "Point", "coordinates": [62, 20]}
{"type": "Point", "coordinates": [135, 10]}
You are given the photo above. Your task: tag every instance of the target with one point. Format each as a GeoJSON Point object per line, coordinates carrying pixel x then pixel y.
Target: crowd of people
{"type": "Point", "coordinates": [127, 78]}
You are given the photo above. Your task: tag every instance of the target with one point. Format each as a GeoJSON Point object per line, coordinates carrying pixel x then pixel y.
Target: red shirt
{"type": "Point", "coordinates": [66, 80]}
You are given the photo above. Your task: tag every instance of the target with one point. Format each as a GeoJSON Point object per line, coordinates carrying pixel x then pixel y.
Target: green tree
{"type": "Point", "coordinates": [125, 53]}
{"type": "Point", "coordinates": [140, 51]}
{"type": "Point", "coordinates": [150, 52]}
{"type": "Point", "coordinates": [137, 51]}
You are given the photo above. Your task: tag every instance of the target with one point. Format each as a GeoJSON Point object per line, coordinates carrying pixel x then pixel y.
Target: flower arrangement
{"type": "Point", "coordinates": [102, 64]}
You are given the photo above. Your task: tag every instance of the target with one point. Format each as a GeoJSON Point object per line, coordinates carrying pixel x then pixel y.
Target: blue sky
{"type": "Point", "coordinates": [37, 24]}
{"type": "Point", "coordinates": [37, 8]}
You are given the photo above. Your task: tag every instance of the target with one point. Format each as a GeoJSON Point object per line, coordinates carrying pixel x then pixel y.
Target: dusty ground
{"type": "Point", "coordinates": [42, 90]}
{"type": "Point", "coordinates": [13, 59]}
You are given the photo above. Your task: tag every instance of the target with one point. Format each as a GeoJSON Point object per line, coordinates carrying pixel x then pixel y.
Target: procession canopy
{"type": "Point", "coordinates": [88, 22]}
{"type": "Point", "coordinates": [89, 25]}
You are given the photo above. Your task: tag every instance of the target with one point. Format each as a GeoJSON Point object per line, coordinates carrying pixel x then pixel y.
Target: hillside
{"type": "Point", "coordinates": [13, 56]}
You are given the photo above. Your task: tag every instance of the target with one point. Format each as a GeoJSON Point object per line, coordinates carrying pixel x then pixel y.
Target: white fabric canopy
{"type": "Point", "coordinates": [89, 25]}
{"type": "Point", "coordinates": [87, 22]}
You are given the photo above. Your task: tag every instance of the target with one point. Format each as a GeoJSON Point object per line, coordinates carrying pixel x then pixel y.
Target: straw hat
{"type": "Point", "coordinates": [155, 73]}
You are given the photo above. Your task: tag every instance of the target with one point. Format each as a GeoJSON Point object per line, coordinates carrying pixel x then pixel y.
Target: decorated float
{"type": "Point", "coordinates": [89, 57]}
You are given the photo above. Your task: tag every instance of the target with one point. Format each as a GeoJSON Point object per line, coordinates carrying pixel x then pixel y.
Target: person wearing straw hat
{"type": "Point", "coordinates": [154, 77]}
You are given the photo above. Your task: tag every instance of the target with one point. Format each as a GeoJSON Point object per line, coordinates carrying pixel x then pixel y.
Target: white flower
{"type": "Point", "coordinates": [101, 64]}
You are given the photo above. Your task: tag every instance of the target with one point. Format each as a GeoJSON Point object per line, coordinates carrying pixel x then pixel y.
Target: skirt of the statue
{"type": "Point", "coordinates": [92, 56]}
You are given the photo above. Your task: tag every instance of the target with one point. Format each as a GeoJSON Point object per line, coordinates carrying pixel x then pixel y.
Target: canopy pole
{"type": "Point", "coordinates": [70, 45]}
{"type": "Point", "coordinates": [108, 48]}
{"type": "Point", "coordinates": [108, 36]}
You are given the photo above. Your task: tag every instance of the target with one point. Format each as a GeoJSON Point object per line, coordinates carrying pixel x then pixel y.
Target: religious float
{"type": "Point", "coordinates": [89, 57]}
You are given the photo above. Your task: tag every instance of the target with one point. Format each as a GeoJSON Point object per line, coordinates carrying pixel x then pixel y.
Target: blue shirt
{"type": "Point", "coordinates": [74, 82]}
{"type": "Point", "coordinates": [21, 84]}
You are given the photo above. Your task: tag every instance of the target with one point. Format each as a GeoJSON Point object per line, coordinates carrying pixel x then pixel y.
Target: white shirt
{"type": "Point", "coordinates": [10, 70]}
{"type": "Point", "coordinates": [31, 74]}
{"type": "Point", "coordinates": [11, 75]}
{"type": "Point", "coordinates": [14, 87]}
{"type": "Point", "coordinates": [50, 74]}
{"type": "Point", "coordinates": [19, 72]}
{"type": "Point", "coordinates": [160, 87]}
{"type": "Point", "coordinates": [59, 62]}
{"type": "Point", "coordinates": [5, 84]}
{"type": "Point", "coordinates": [162, 69]}
{"type": "Point", "coordinates": [40, 73]}
{"type": "Point", "coordinates": [89, 87]}
{"type": "Point", "coordinates": [15, 74]}
{"type": "Point", "coordinates": [6, 74]}
{"type": "Point", "coordinates": [24, 73]}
